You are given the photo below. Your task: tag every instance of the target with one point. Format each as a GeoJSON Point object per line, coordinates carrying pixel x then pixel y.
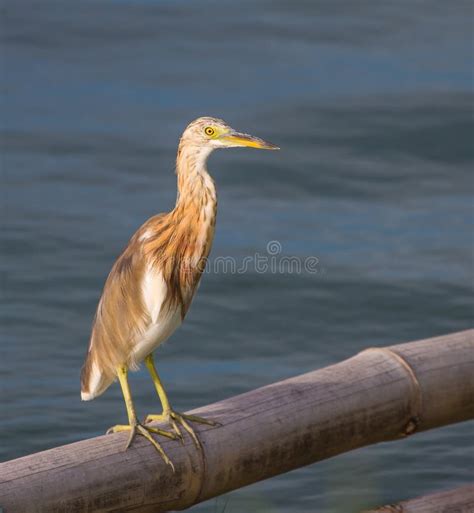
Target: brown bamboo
{"type": "Point", "coordinates": [458, 500]}
{"type": "Point", "coordinates": [378, 395]}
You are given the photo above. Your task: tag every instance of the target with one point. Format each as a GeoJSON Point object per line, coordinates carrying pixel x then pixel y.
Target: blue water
{"type": "Point", "coordinates": [371, 103]}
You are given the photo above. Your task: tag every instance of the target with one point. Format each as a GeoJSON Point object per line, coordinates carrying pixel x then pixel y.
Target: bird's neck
{"type": "Point", "coordinates": [193, 218]}
{"type": "Point", "coordinates": [196, 189]}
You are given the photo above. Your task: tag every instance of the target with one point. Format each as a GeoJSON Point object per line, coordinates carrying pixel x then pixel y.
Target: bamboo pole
{"type": "Point", "coordinates": [458, 500]}
{"type": "Point", "coordinates": [378, 395]}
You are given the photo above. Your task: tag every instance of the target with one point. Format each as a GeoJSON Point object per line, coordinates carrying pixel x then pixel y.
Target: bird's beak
{"type": "Point", "coordinates": [238, 139]}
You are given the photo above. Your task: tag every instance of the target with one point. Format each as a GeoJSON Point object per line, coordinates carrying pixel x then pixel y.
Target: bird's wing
{"type": "Point", "coordinates": [121, 316]}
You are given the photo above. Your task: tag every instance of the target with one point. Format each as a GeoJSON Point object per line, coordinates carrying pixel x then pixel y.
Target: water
{"type": "Point", "coordinates": [372, 106]}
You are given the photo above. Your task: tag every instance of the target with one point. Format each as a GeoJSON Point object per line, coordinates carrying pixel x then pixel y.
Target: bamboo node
{"type": "Point", "coordinates": [411, 426]}
{"type": "Point", "coordinates": [416, 397]}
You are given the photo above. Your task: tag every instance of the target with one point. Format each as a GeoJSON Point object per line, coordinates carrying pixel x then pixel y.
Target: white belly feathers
{"type": "Point", "coordinates": [161, 326]}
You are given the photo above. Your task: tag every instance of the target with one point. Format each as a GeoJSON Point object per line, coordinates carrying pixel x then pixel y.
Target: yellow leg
{"type": "Point", "coordinates": [134, 426]}
{"type": "Point", "coordinates": [168, 414]}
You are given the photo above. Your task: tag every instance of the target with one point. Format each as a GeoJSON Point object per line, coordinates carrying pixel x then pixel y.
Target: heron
{"type": "Point", "coordinates": [151, 285]}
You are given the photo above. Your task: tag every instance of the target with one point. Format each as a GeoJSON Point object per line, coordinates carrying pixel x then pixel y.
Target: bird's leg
{"type": "Point", "coordinates": [168, 414]}
{"type": "Point", "coordinates": [133, 425]}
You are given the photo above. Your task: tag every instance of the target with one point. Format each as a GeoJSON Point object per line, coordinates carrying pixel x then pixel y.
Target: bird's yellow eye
{"type": "Point", "coordinates": [209, 130]}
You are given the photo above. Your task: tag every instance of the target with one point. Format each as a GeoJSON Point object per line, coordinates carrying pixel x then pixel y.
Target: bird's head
{"type": "Point", "coordinates": [211, 133]}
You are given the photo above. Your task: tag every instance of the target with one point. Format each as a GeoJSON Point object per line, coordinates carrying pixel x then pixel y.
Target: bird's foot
{"type": "Point", "coordinates": [138, 429]}
{"type": "Point", "coordinates": [175, 419]}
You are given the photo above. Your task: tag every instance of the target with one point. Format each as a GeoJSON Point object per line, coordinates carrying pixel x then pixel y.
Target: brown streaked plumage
{"type": "Point", "coordinates": [151, 285]}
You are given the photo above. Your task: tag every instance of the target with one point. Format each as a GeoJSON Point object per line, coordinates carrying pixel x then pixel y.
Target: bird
{"type": "Point", "coordinates": [151, 285]}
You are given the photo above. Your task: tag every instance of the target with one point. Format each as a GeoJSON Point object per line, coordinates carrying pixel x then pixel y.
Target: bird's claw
{"type": "Point", "coordinates": [138, 429]}
{"type": "Point", "coordinates": [175, 418]}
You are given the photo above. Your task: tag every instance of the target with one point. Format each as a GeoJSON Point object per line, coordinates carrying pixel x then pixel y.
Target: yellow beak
{"type": "Point", "coordinates": [238, 139]}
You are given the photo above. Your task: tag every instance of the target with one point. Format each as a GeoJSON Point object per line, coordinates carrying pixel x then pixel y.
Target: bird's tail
{"type": "Point", "coordinates": [94, 381]}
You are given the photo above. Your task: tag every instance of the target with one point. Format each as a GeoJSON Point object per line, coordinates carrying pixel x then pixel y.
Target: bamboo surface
{"type": "Point", "coordinates": [380, 394]}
